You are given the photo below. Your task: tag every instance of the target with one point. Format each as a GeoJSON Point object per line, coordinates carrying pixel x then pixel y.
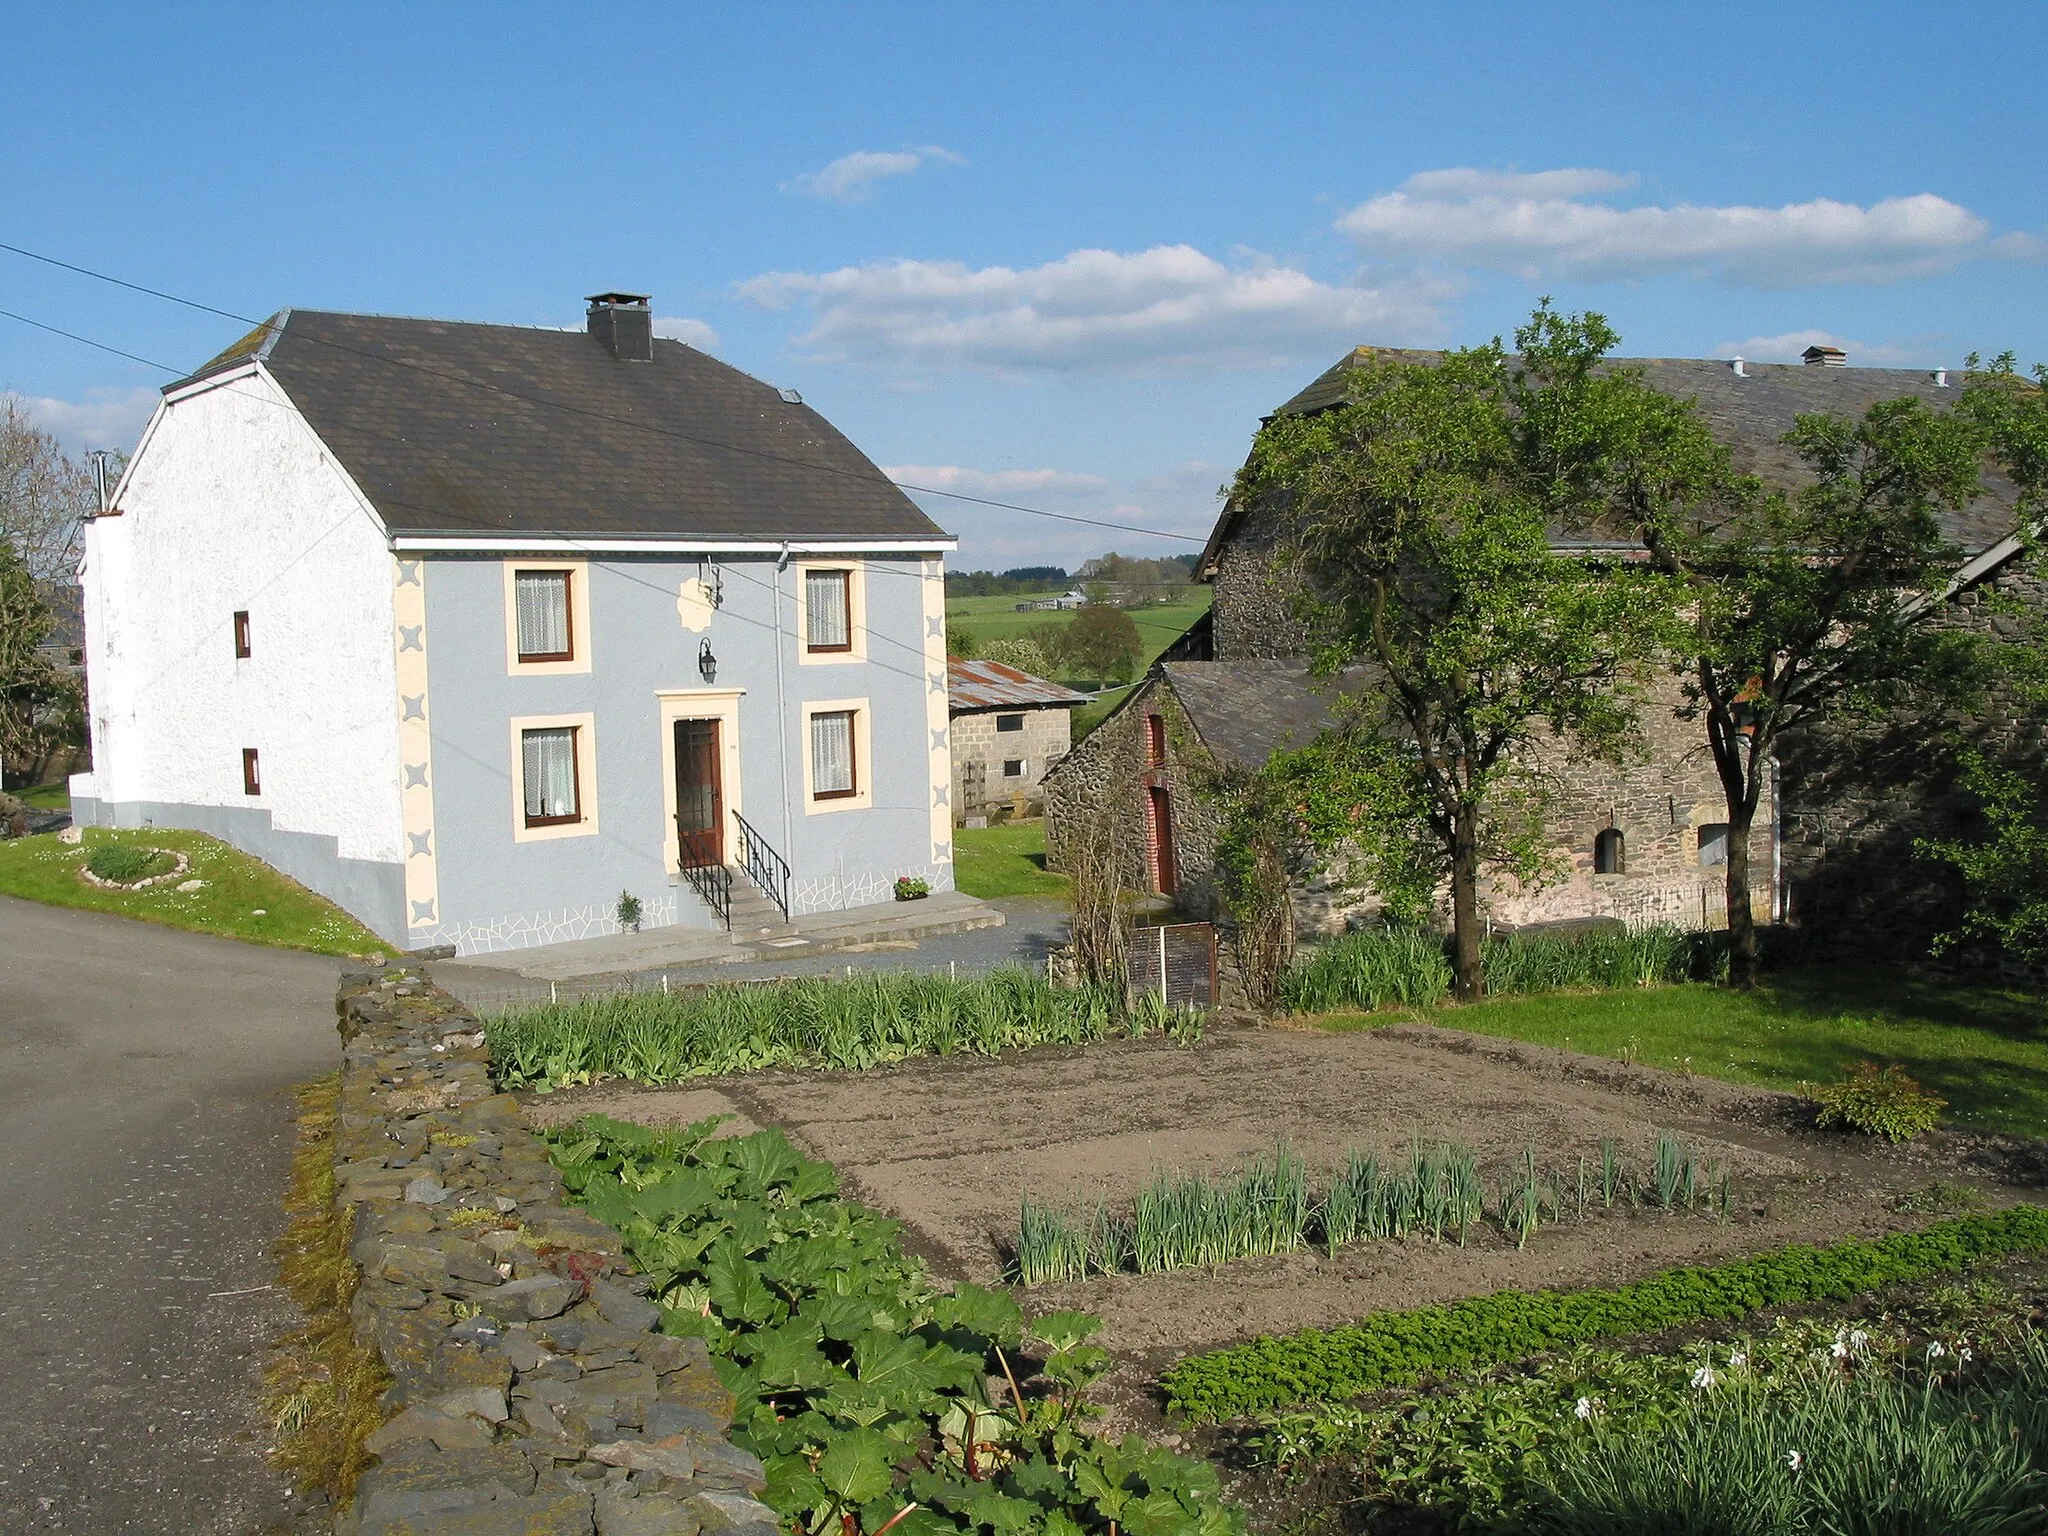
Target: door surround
{"type": "Point", "coordinates": [722, 705]}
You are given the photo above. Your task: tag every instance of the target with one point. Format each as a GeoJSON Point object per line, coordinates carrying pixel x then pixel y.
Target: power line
{"type": "Point", "coordinates": [209, 309]}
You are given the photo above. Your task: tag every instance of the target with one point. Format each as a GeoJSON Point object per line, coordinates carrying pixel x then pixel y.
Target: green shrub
{"type": "Point", "coordinates": [1877, 1102]}
{"type": "Point", "coordinates": [123, 863]}
{"type": "Point", "coordinates": [1409, 968]}
{"type": "Point", "coordinates": [861, 1022]}
{"type": "Point", "coordinates": [1396, 1348]}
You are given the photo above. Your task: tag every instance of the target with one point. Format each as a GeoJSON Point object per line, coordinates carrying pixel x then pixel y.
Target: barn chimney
{"type": "Point", "coordinates": [624, 323]}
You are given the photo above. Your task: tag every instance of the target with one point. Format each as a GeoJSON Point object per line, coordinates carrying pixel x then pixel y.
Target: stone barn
{"type": "Point", "coordinates": [1008, 729]}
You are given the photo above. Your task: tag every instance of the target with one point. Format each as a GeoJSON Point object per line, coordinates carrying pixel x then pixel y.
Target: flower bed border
{"type": "Point", "coordinates": [180, 867]}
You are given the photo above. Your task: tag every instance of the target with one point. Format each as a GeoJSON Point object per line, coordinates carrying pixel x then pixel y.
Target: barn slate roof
{"type": "Point", "coordinates": [1248, 710]}
{"type": "Point", "coordinates": [1750, 412]}
{"type": "Point", "coordinates": [973, 686]}
{"type": "Point", "coordinates": [459, 428]}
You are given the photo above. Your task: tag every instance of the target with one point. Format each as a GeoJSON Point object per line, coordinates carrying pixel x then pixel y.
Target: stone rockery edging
{"type": "Point", "coordinates": [530, 1394]}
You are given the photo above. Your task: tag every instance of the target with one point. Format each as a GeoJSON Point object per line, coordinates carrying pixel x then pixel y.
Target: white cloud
{"type": "Point", "coordinates": [851, 178]}
{"type": "Point", "coordinates": [1541, 225]}
{"type": "Point", "coordinates": [695, 333]}
{"type": "Point", "coordinates": [1171, 309]}
{"type": "Point", "coordinates": [992, 482]}
{"type": "Point", "coordinates": [106, 418]}
{"type": "Point", "coordinates": [2020, 246]}
{"type": "Point", "coordinates": [1788, 347]}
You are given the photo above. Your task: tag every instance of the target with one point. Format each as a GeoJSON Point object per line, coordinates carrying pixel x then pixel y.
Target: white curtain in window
{"type": "Point", "coordinates": [826, 622]}
{"type": "Point", "coordinates": [543, 603]}
{"type": "Point", "coordinates": [550, 772]}
{"type": "Point", "coordinates": [832, 752]}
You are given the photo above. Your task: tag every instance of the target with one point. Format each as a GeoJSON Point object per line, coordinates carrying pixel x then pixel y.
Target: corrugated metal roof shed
{"type": "Point", "coordinates": [976, 685]}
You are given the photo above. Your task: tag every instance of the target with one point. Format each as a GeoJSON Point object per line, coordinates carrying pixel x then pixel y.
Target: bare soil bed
{"type": "Point", "coordinates": [950, 1146]}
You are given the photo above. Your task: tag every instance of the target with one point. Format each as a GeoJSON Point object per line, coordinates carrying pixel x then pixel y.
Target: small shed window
{"type": "Point", "coordinates": [1713, 844]}
{"type": "Point", "coordinates": [1610, 853]}
{"type": "Point", "coordinates": [252, 776]}
{"type": "Point", "coordinates": [242, 650]}
{"type": "Point", "coordinates": [1009, 722]}
{"type": "Point", "coordinates": [1013, 767]}
{"type": "Point", "coordinates": [1155, 741]}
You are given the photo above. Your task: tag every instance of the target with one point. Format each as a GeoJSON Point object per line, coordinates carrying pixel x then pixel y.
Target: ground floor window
{"type": "Point", "coordinates": [1610, 853]}
{"type": "Point", "coordinates": [1013, 767]}
{"type": "Point", "coordinates": [1713, 844]}
{"type": "Point", "coordinates": [833, 768]}
{"type": "Point", "coordinates": [252, 773]}
{"type": "Point", "coordinates": [553, 788]}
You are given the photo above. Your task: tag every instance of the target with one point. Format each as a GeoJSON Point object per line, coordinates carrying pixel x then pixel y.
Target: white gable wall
{"type": "Point", "coordinates": [232, 503]}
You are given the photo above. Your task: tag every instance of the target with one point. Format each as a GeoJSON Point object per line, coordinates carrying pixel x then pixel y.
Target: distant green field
{"type": "Point", "coordinates": [996, 618]}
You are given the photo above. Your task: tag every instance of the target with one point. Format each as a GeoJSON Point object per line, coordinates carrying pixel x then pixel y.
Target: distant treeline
{"type": "Point", "coordinates": [1025, 578]}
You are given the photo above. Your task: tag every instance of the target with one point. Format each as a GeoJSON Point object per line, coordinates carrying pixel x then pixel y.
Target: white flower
{"type": "Point", "coordinates": [1858, 1338]}
{"type": "Point", "coordinates": [1704, 1377]}
{"type": "Point", "coordinates": [1737, 1359]}
{"type": "Point", "coordinates": [1841, 1349]}
{"type": "Point", "coordinates": [1935, 1351]}
{"type": "Point", "coordinates": [1584, 1408]}
{"type": "Point", "coordinates": [1964, 1356]}
{"type": "Point", "coordinates": [1794, 1460]}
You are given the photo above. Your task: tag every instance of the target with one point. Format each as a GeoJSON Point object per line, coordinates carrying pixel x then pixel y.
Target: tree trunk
{"type": "Point", "coordinates": [1742, 951]}
{"type": "Point", "coordinates": [1468, 977]}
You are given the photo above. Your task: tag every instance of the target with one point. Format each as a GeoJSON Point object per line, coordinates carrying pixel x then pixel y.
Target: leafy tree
{"type": "Point", "coordinates": [44, 496]}
{"type": "Point", "coordinates": [1425, 505]}
{"type": "Point", "coordinates": [960, 642]}
{"type": "Point", "coordinates": [1799, 604]}
{"type": "Point", "coordinates": [1051, 640]}
{"type": "Point", "coordinates": [1021, 652]}
{"type": "Point", "coordinates": [1103, 643]}
{"type": "Point", "coordinates": [2006, 873]}
{"type": "Point", "coordinates": [35, 698]}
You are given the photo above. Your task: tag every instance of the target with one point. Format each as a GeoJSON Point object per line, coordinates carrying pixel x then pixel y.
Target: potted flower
{"type": "Point", "coordinates": [628, 912]}
{"type": "Point", "coordinates": [912, 888]}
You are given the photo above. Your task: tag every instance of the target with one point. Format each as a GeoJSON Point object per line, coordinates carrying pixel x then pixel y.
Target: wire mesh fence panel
{"type": "Point", "coordinates": [1175, 962]}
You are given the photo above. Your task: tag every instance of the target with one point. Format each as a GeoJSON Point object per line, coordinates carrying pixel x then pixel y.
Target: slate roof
{"type": "Point", "coordinates": [1247, 710]}
{"type": "Point", "coordinates": [1750, 412]}
{"type": "Point", "coordinates": [456, 428]}
{"type": "Point", "coordinates": [973, 686]}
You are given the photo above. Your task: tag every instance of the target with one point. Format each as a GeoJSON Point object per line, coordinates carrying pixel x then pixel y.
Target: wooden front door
{"type": "Point", "coordinates": [1165, 869]}
{"type": "Point", "coordinates": [700, 797]}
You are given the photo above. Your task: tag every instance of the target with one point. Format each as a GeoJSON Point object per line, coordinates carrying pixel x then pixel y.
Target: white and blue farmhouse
{"type": "Point", "coordinates": [473, 627]}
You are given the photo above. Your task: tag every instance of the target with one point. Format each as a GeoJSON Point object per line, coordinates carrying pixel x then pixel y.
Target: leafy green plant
{"type": "Point", "coordinates": [910, 887]}
{"type": "Point", "coordinates": [628, 912]}
{"type": "Point", "coordinates": [125, 863]}
{"type": "Point", "coordinates": [870, 1019]}
{"type": "Point", "coordinates": [861, 1385]}
{"type": "Point", "coordinates": [1411, 968]}
{"type": "Point", "coordinates": [1878, 1102]}
{"type": "Point", "coordinates": [1395, 1348]}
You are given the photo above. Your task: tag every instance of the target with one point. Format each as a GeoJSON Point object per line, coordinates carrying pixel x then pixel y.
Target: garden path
{"type": "Point", "coordinates": [145, 1136]}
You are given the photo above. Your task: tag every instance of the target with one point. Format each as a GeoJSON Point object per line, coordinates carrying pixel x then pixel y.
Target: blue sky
{"type": "Point", "coordinates": [1059, 255]}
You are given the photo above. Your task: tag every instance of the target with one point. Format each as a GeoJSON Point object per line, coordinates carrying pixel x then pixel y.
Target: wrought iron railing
{"type": "Point", "coordinates": [764, 866]}
{"type": "Point", "coordinates": [713, 882]}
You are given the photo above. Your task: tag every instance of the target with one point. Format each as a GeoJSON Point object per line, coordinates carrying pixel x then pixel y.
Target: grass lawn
{"type": "Point", "coordinates": [1008, 860]}
{"type": "Point", "coordinates": [243, 898]}
{"type": "Point", "coordinates": [46, 797]}
{"type": "Point", "coordinates": [1983, 1048]}
{"type": "Point", "coordinates": [996, 618]}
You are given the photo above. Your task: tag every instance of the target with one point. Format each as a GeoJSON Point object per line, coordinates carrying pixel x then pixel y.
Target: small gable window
{"type": "Point", "coordinates": [542, 599]}
{"type": "Point", "coordinates": [1009, 722]}
{"type": "Point", "coordinates": [828, 611]}
{"type": "Point", "coordinates": [242, 650]}
{"type": "Point", "coordinates": [1713, 845]}
{"type": "Point", "coordinates": [1610, 853]}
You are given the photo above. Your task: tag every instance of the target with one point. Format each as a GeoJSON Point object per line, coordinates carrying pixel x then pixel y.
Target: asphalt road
{"type": "Point", "coordinates": [145, 1136]}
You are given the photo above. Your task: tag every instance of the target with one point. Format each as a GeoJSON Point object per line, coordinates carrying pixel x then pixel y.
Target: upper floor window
{"type": "Point", "coordinates": [252, 773]}
{"type": "Point", "coordinates": [1155, 741]}
{"type": "Point", "coordinates": [242, 633]}
{"type": "Point", "coordinates": [542, 600]}
{"type": "Point", "coordinates": [828, 610]}
{"type": "Point", "coordinates": [1009, 722]}
{"type": "Point", "coordinates": [1610, 853]}
{"type": "Point", "coordinates": [551, 776]}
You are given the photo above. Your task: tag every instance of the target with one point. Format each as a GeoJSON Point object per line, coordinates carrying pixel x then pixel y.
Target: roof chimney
{"type": "Point", "coordinates": [1741, 372]}
{"type": "Point", "coordinates": [1941, 378]}
{"type": "Point", "coordinates": [1824, 357]}
{"type": "Point", "coordinates": [624, 323]}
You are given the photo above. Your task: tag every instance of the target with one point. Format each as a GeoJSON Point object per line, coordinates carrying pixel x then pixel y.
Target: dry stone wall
{"type": "Point", "coordinates": [530, 1394]}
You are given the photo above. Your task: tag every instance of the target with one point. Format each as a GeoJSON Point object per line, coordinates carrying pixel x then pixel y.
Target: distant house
{"type": "Point", "coordinates": [1074, 599]}
{"type": "Point", "coordinates": [1644, 841]}
{"type": "Point", "coordinates": [473, 627]}
{"type": "Point", "coordinates": [1008, 729]}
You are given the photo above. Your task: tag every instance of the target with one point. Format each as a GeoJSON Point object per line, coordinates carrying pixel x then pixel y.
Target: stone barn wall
{"type": "Point", "coordinates": [980, 749]}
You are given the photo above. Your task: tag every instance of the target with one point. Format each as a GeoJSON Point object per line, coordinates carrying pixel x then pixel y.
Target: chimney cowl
{"type": "Point", "coordinates": [1741, 369]}
{"type": "Point", "coordinates": [1824, 357]}
{"type": "Point", "coordinates": [624, 322]}
{"type": "Point", "coordinates": [1941, 378]}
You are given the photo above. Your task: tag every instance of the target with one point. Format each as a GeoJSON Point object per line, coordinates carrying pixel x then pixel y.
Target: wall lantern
{"type": "Point", "coordinates": [707, 663]}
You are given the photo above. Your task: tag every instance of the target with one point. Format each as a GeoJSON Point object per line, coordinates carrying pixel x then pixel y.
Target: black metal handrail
{"type": "Point", "coordinates": [711, 881]}
{"type": "Point", "coordinates": [764, 866]}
